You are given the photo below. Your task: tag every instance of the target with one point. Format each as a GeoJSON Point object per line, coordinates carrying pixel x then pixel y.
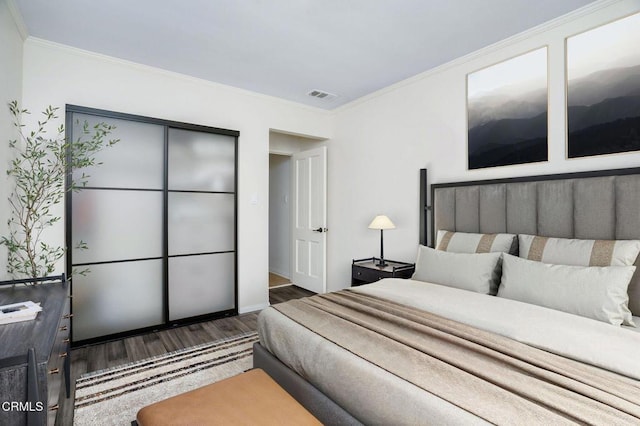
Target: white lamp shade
{"type": "Point", "coordinates": [381, 222]}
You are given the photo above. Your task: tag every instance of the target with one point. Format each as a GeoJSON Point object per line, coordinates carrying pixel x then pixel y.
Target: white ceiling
{"type": "Point", "coordinates": [286, 48]}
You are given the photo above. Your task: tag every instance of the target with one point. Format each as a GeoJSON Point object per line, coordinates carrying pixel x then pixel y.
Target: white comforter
{"type": "Point", "coordinates": [583, 339]}
{"type": "Point", "coordinates": [376, 397]}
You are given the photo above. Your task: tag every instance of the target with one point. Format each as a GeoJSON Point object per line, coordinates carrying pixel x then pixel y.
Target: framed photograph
{"type": "Point", "coordinates": [603, 89]}
{"type": "Point", "coordinates": [507, 106]}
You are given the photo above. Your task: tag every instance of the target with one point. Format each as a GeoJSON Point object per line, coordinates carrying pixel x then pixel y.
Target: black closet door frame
{"type": "Point", "coordinates": [70, 110]}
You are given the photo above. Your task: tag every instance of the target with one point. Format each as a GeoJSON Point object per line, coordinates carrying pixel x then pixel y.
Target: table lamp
{"type": "Point", "coordinates": [381, 222]}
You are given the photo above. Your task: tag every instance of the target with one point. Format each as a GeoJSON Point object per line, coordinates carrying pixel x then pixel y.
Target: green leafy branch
{"type": "Point", "coordinates": [38, 170]}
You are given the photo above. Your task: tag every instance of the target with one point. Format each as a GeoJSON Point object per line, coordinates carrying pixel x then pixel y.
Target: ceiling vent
{"type": "Point", "coordinates": [322, 95]}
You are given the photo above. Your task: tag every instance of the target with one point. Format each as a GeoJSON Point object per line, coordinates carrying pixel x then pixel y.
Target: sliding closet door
{"type": "Point", "coordinates": [159, 218]}
{"type": "Point", "coordinates": [201, 208]}
{"type": "Point", "coordinates": [119, 215]}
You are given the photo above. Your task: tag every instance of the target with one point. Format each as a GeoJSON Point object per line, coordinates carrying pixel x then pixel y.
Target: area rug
{"type": "Point", "coordinates": [114, 396]}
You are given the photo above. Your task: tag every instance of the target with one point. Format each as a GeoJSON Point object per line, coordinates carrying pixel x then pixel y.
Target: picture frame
{"type": "Point", "coordinates": [507, 112]}
{"type": "Point", "coordinates": [603, 89]}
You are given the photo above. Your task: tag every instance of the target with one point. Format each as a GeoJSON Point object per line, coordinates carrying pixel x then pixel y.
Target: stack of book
{"type": "Point", "coordinates": [17, 312]}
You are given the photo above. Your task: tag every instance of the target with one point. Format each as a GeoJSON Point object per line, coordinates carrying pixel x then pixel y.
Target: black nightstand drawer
{"type": "Point", "coordinates": [362, 273]}
{"type": "Point", "coordinates": [365, 271]}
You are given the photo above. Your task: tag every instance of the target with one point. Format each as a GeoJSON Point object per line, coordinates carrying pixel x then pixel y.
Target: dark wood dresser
{"type": "Point", "coordinates": [34, 355]}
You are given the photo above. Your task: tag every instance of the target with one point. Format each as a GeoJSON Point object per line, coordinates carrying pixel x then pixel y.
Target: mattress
{"type": "Point", "coordinates": [373, 395]}
{"type": "Point", "coordinates": [636, 329]}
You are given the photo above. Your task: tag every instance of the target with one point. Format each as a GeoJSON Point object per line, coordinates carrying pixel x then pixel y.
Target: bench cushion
{"type": "Point", "coordinates": [248, 398]}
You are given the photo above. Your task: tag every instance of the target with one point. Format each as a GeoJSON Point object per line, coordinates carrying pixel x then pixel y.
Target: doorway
{"type": "Point", "coordinates": [284, 151]}
{"type": "Point", "coordinates": [279, 220]}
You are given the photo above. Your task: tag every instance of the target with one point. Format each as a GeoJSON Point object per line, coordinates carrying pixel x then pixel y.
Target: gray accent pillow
{"type": "Point", "coordinates": [597, 292]}
{"type": "Point", "coordinates": [474, 272]}
{"type": "Point", "coordinates": [467, 242]}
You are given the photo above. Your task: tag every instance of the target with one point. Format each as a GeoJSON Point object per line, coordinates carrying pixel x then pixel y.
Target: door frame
{"type": "Point", "coordinates": [290, 153]}
{"type": "Point", "coordinates": [289, 156]}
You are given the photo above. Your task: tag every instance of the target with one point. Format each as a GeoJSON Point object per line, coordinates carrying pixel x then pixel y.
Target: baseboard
{"type": "Point", "coordinates": [253, 308]}
{"type": "Point", "coordinates": [281, 285]}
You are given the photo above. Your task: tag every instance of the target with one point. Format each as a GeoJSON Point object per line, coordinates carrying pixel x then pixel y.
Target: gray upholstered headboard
{"type": "Point", "coordinates": [591, 205]}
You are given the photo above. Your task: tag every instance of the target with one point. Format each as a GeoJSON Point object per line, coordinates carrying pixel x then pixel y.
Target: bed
{"type": "Point", "coordinates": [442, 348]}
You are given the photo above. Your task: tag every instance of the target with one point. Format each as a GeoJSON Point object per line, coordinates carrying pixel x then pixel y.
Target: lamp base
{"type": "Point", "coordinates": [381, 264]}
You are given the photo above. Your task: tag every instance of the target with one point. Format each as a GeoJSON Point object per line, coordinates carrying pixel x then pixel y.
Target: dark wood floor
{"type": "Point", "coordinates": [131, 349]}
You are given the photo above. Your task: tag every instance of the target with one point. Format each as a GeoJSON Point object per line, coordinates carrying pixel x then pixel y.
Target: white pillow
{"type": "Point", "coordinates": [598, 292]}
{"type": "Point", "coordinates": [466, 242]}
{"type": "Point", "coordinates": [474, 272]}
{"type": "Point", "coordinates": [566, 251]}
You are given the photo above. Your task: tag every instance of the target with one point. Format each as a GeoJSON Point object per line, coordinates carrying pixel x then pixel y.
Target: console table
{"type": "Point", "coordinates": [34, 355]}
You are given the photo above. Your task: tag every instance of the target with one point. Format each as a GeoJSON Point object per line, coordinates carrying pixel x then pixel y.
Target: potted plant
{"type": "Point", "coordinates": [37, 170]}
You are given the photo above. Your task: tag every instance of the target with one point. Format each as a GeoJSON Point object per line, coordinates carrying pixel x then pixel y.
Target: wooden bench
{"type": "Point", "coordinates": [249, 398]}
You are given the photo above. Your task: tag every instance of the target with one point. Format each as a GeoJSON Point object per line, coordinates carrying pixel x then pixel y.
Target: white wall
{"type": "Point", "coordinates": [279, 214]}
{"type": "Point", "coordinates": [59, 75]}
{"type": "Point", "coordinates": [382, 141]}
{"type": "Point", "coordinates": [10, 89]}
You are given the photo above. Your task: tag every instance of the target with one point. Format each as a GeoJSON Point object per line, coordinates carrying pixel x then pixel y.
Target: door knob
{"type": "Point", "coordinates": [320, 230]}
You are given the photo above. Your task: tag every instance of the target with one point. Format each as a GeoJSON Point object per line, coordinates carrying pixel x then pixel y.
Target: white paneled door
{"type": "Point", "coordinates": [309, 215]}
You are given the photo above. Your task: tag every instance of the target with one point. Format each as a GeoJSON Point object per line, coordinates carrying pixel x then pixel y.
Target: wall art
{"type": "Point", "coordinates": [603, 89]}
{"type": "Point", "coordinates": [507, 106]}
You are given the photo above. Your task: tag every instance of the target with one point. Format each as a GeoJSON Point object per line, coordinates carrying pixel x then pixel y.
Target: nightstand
{"type": "Point", "coordinates": [365, 271]}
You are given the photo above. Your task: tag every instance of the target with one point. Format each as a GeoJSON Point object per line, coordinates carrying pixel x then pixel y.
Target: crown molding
{"type": "Point", "coordinates": [495, 47]}
{"type": "Point", "coordinates": [17, 19]}
{"type": "Point", "coordinates": [172, 74]}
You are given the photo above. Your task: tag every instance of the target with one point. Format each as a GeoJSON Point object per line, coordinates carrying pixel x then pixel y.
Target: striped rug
{"type": "Point", "coordinates": [114, 396]}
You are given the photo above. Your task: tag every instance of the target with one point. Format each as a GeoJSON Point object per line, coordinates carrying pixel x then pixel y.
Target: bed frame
{"type": "Point", "coordinates": [317, 403]}
{"type": "Point", "coordinates": [602, 205]}
{"type": "Point", "coordinates": [590, 205]}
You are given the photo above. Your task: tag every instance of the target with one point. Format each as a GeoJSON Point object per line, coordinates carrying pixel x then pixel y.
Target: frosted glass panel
{"type": "Point", "coordinates": [116, 225]}
{"type": "Point", "coordinates": [200, 223]}
{"type": "Point", "coordinates": [201, 161]}
{"type": "Point", "coordinates": [201, 285]}
{"type": "Point", "coordinates": [117, 297]}
{"type": "Point", "coordinates": [134, 162]}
